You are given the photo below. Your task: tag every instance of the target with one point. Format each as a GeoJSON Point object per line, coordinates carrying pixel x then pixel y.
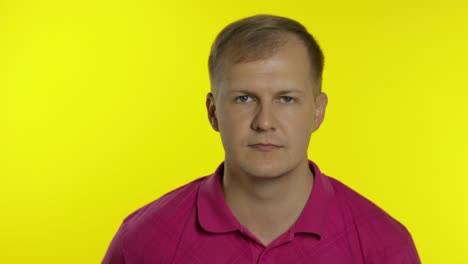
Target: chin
{"type": "Point", "coordinates": [264, 169]}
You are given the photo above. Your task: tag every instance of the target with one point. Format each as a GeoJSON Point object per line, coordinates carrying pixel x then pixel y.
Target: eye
{"type": "Point", "coordinates": [243, 99]}
{"type": "Point", "coordinates": [287, 99]}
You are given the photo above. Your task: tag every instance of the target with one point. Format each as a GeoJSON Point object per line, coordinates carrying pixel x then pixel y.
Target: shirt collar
{"type": "Point", "coordinates": [215, 216]}
{"type": "Point", "coordinates": [213, 212]}
{"type": "Point", "coordinates": [314, 216]}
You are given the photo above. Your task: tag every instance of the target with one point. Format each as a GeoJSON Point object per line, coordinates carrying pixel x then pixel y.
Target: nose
{"type": "Point", "coordinates": [264, 119]}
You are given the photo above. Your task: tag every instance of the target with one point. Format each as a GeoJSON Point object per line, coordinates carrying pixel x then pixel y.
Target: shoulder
{"type": "Point", "coordinates": [167, 204]}
{"type": "Point", "coordinates": [379, 234]}
{"type": "Point", "coordinates": [178, 201]}
{"type": "Point", "coordinates": [144, 227]}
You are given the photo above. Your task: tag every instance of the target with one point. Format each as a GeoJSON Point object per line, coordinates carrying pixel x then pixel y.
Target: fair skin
{"type": "Point", "coordinates": [266, 111]}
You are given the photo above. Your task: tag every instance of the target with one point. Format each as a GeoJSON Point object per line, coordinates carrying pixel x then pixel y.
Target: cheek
{"type": "Point", "coordinates": [235, 117]}
{"type": "Point", "coordinates": [233, 126]}
{"type": "Point", "coordinates": [300, 127]}
{"type": "Point", "coordinates": [302, 130]}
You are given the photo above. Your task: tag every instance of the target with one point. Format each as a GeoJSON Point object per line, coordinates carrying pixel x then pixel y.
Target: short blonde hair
{"type": "Point", "coordinates": [256, 38]}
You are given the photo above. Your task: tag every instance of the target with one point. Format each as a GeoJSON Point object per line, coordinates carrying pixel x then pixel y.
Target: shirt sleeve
{"type": "Point", "coordinates": [115, 252]}
{"type": "Point", "coordinates": [406, 254]}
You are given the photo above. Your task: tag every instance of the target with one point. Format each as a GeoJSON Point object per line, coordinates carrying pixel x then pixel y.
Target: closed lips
{"type": "Point", "coordinates": [265, 147]}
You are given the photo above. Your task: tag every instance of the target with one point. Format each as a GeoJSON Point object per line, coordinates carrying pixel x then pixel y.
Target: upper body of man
{"type": "Point", "coordinates": [267, 203]}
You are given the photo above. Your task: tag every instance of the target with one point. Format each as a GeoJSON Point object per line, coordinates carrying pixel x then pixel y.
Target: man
{"type": "Point", "coordinates": [266, 203]}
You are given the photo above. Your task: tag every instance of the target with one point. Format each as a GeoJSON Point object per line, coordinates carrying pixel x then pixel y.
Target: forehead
{"type": "Point", "coordinates": [289, 67]}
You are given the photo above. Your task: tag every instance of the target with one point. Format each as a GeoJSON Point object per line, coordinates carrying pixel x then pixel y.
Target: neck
{"type": "Point", "coordinates": [267, 206]}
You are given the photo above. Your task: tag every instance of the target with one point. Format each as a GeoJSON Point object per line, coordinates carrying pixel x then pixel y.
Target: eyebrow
{"type": "Point", "coordinates": [282, 92]}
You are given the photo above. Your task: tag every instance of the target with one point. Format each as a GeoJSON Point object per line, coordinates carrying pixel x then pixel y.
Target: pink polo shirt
{"type": "Point", "coordinates": [193, 224]}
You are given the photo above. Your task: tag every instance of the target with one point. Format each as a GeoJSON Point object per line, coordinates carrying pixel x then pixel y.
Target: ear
{"type": "Point", "coordinates": [321, 103]}
{"type": "Point", "coordinates": [211, 109]}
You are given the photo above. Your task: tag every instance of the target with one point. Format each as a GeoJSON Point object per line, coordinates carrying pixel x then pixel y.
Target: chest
{"type": "Point", "coordinates": [241, 249]}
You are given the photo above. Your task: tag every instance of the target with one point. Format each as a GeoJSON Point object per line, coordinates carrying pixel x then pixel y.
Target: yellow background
{"type": "Point", "coordinates": [102, 111]}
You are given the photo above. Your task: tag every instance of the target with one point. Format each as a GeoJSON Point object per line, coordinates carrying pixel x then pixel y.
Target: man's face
{"type": "Point", "coordinates": [265, 111]}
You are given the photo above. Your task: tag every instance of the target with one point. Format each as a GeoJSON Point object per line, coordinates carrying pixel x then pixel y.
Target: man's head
{"type": "Point", "coordinates": [266, 99]}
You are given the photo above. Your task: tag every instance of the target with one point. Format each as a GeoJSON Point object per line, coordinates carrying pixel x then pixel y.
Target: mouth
{"type": "Point", "coordinates": [265, 147]}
